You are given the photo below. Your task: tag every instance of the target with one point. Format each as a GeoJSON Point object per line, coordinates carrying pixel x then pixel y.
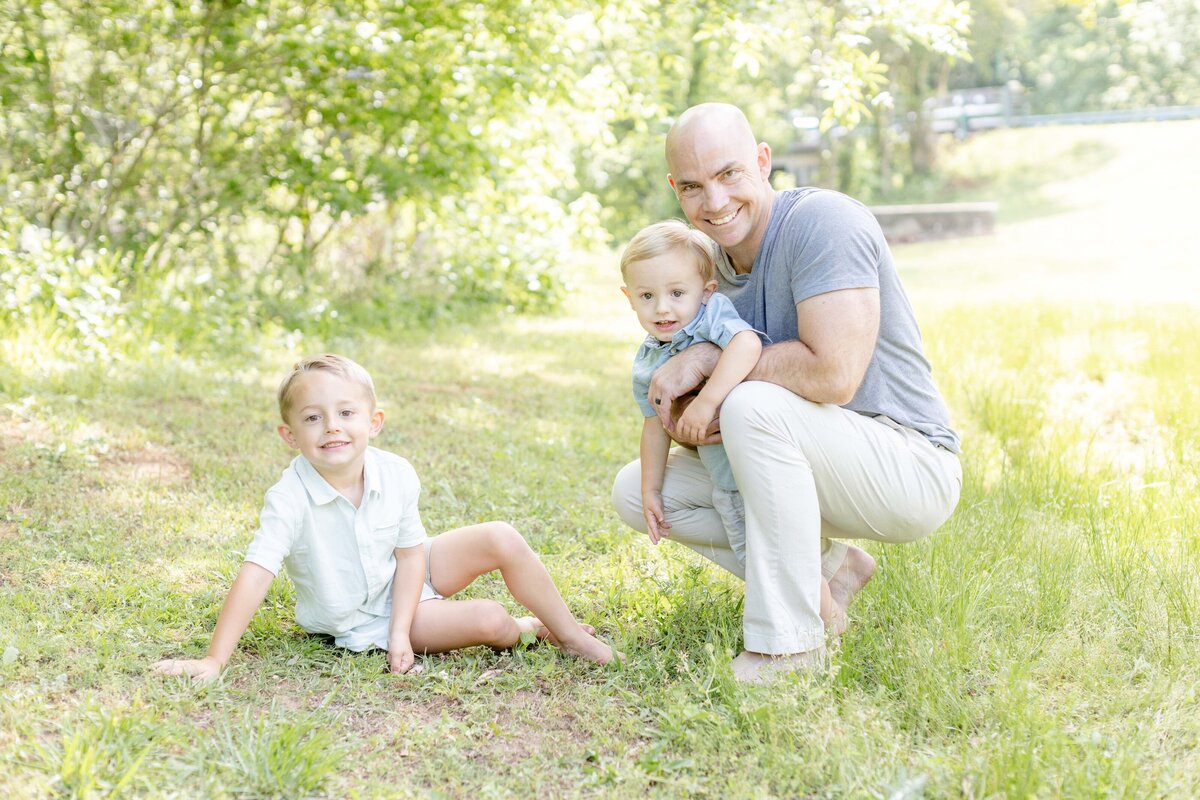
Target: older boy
{"type": "Point", "coordinates": [344, 520]}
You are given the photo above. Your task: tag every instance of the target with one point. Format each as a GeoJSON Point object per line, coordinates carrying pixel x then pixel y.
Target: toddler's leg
{"type": "Point", "coordinates": [459, 556]}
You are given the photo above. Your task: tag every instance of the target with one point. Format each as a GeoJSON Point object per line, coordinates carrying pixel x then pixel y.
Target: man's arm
{"type": "Point", "coordinates": [837, 340]}
{"type": "Point", "coordinates": [245, 596]}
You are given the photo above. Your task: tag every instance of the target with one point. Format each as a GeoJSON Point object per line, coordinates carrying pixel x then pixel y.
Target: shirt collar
{"type": "Point", "coordinates": [319, 489]}
{"type": "Point", "coordinates": [686, 333]}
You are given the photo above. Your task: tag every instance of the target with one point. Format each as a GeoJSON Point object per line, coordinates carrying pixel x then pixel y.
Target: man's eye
{"type": "Point", "coordinates": [688, 188]}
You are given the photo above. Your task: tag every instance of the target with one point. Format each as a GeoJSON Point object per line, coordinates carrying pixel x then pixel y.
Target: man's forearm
{"type": "Point", "coordinates": [795, 367]}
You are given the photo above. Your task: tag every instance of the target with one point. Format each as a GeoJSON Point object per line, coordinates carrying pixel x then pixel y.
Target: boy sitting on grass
{"type": "Point", "coordinates": [670, 280]}
{"type": "Point", "coordinates": [344, 520]}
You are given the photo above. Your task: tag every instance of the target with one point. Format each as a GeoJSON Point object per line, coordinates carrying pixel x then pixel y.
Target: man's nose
{"type": "Point", "coordinates": [715, 197]}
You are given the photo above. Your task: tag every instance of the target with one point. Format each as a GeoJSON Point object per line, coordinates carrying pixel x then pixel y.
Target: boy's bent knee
{"type": "Point", "coordinates": [504, 539]}
{"type": "Point", "coordinates": [494, 625]}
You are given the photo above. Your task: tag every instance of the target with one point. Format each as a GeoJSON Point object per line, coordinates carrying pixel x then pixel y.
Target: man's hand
{"type": "Point", "coordinates": [203, 669]}
{"type": "Point", "coordinates": [656, 520]}
{"type": "Point", "coordinates": [679, 375]}
{"type": "Point", "coordinates": [400, 654]}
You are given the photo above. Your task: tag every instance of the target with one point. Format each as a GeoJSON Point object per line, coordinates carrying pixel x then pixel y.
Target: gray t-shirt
{"type": "Point", "coordinates": [821, 241]}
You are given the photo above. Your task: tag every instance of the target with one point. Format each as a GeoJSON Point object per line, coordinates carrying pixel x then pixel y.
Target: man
{"type": "Point", "coordinates": [838, 432]}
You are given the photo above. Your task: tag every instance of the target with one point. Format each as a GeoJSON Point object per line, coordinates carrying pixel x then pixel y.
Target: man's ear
{"type": "Point", "coordinates": [764, 160]}
{"type": "Point", "coordinates": [288, 437]}
{"type": "Point", "coordinates": [671, 181]}
{"type": "Point", "coordinates": [376, 422]}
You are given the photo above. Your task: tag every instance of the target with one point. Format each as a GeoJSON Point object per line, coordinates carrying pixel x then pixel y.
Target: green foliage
{"type": "Point", "coordinates": [277, 756]}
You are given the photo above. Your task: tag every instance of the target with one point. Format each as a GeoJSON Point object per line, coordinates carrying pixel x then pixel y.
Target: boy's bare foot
{"type": "Point", "coordinates": [542, 632]}
{"type": "Point", "coordinates": [761, 668]}
{"type": "Point", "coordinates": [857, 568]}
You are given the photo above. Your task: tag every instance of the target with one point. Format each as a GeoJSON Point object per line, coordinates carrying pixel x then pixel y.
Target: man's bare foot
{"type": "Point", "coordinates": [761, 668]}
{"type": "Point", "coordinates": [857, 568]}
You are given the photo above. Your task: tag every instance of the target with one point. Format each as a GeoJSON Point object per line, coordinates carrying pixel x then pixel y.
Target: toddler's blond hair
{"type": "Point", "coordinates": [665, 237]}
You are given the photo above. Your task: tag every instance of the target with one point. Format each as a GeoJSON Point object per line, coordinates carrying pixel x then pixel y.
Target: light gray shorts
{"type": "Point", "coordinates": [375, 632]}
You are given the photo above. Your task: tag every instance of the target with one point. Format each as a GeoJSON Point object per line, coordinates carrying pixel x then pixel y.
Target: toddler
{"type": "Point", "coordinates": [669, 276]}
{"type": "Point", "coordinates": [344, 521]}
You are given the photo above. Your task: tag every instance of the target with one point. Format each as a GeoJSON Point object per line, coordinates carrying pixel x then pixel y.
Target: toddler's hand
{"type": "Point", "coordinates": [656, 520]}
{"type": "Point", "coordinates": [203, 669]}
{"type": "Point", "coordinates": [693, 425]}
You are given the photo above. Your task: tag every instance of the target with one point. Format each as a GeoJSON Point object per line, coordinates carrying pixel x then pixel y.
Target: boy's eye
{"type": "Point", "coordinates": [347, 412]}
{"type": "Point", "coordinates": [646, 295]}
{"type": "Point", "coordinates": [312, 418]}
{"type": "Point", "coordinates": [678, 292]}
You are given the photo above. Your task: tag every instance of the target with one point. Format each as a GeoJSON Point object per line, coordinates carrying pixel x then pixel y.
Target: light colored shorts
{"type": "Point", "coordinates": [375, 633]}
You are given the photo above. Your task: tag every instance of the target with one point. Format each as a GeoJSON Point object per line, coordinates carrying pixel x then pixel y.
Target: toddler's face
{"type": "Point", "coordinates": [331, 421]}
{"type": "Point", "coordinates": [666, 292]}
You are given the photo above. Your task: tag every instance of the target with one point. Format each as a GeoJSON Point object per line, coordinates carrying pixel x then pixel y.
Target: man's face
{"type": "Point", "coordinates": [721, 179]}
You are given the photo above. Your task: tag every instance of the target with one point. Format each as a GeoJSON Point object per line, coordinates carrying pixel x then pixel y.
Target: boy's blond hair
{"type": "Point", "coordinates": [664, 237]}
{"type": "Point", "coordinates": [338, 365]}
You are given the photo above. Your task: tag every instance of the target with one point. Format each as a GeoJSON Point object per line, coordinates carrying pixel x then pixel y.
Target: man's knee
{"type": "Point", "coordinates": [627, 496]}
{"type": "Point", "coordinates": [754, 403]}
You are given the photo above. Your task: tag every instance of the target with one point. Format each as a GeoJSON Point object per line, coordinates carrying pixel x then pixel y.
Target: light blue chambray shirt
{"type": "Point", "coordinates": [717, 322]}
{"type": "Point", "coordinates": [339, 557]}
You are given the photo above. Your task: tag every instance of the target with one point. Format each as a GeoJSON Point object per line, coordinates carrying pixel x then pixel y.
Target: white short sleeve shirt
{"type": "Point", "coordinates": [339, 557]}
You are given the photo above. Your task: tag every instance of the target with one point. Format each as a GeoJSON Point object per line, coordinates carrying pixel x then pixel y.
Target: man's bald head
{"type": "Point", "coordinates": [709, 122]}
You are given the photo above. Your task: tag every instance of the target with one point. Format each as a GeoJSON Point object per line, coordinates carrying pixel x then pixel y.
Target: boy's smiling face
{"type": "Point", "coordinates": [331, 421]}
{"type": "Point", "coordinates": [666, 292]}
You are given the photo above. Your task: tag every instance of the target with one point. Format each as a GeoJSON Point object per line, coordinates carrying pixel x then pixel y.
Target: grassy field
{"type": "Point", "coordinates": [1043, 643]}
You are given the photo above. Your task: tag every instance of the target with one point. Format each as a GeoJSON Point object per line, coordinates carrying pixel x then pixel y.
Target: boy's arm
{"type": "Point", "coordinates": [406, 593]}
{"type": "Point", "coordinates": [736, 362]}
{"type": "Point", "coordinates": [245, 596]}
{"type": "Point", "coordinates": [656, 444]}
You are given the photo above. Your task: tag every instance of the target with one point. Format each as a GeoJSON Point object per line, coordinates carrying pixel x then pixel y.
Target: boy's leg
{"type": "Point", "coordinates": [443, 625]}
{"type": "Point", "coordinates": [459, 556]}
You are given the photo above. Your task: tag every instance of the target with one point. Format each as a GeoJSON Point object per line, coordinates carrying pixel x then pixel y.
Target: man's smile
{"type": "Point", "coordinates": [725, 220]}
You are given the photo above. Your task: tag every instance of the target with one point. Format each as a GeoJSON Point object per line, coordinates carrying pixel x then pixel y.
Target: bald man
{"type": "Point", "coordinates": [839, 431]}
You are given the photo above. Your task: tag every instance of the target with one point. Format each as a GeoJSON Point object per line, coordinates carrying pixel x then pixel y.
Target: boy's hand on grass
{"type": "Point", "coordinates": [656, 520]}
{"type": "Point", "coordinates": [203, 669]}
{"type": "Point", "coordinates": [400, 655]}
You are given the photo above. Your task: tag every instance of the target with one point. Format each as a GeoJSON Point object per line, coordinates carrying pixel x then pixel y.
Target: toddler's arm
{"type": "Point", "coordinates": [656, 444]}
{"type": "Point", "coordinates": [245, 596]}
{"type": "Point", "coordinates": [406, 593]}
{"type": "Point", "coordinates": [738, 358]}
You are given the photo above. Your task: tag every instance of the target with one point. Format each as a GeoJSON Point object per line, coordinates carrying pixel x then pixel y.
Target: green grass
{"type": "Point", "coordinates": [1043, 643]}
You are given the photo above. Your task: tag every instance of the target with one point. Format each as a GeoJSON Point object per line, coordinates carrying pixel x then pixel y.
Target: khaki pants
{"type": "Point", "coordinates": [810, 474]}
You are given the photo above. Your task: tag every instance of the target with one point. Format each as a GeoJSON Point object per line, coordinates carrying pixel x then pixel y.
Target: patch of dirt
{"type": "Point", "coordinates": [151, 464]}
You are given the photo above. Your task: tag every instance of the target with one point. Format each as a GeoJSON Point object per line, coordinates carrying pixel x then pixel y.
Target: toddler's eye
{"type": "Point", "coordinates": [347, 413]}
{"type": "Point", "coordinates": [678, 293]}
{"type": "Point", "coordinates": [312, 418]}
{"type": "Point", "coordinates": [646, 295]}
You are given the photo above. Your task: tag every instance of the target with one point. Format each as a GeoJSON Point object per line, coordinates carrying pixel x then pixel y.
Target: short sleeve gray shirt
{"type": "Point", "coordinates": [820, 241]}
